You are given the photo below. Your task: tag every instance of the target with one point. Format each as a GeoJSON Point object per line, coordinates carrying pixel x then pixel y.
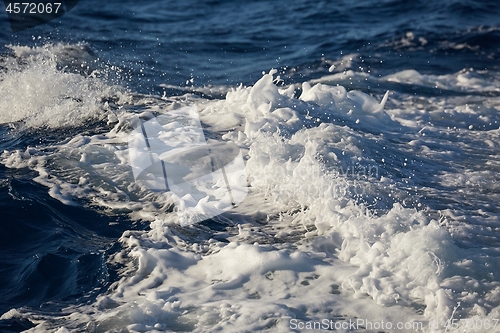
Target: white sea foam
{"type": "Point", "coordinates": [328, 231]}
{"type": "Point", "coordinates": [38, 94]}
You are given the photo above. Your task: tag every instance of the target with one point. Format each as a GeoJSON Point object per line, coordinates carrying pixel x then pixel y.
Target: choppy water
{"type": "Point", "coordinates": [356, 209]}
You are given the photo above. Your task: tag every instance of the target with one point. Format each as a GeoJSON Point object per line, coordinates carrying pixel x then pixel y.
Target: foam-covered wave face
{"type": "Point", "coordinates": [328, 229]}
{"type": "Point", "coordinates": [53, 86]}
{"type": "Point", "coordinates": [92, 159]}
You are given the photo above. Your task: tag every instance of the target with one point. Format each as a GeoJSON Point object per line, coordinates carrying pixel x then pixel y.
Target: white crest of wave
{"type": "Point", "coordinates": [38, 93]}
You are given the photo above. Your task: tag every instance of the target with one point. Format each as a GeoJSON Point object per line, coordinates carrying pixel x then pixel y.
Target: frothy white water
{"type": "Point", "coordinates": [39, 94]}
{"type": "Point", "coordinates": [337, 225]}
{"type": "Point", "coordinates": [461, 102]}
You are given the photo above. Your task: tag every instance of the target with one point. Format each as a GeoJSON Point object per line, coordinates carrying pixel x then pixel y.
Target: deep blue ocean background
{"type": "Point", "coordinates": [52, 254]}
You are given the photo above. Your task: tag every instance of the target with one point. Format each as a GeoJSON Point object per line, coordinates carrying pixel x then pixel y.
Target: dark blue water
{"type": "Point", "coordinates": [228, 42]}
{"type": "Point", "coordinates": [52, 254]}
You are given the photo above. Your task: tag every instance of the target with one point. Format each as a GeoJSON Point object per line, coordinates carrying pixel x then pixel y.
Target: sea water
{"type": "Point", "coordinates": [369, 142]}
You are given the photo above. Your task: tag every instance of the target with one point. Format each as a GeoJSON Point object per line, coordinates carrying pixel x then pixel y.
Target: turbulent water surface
{"type": "Point", "coordinates": [369, 140]}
